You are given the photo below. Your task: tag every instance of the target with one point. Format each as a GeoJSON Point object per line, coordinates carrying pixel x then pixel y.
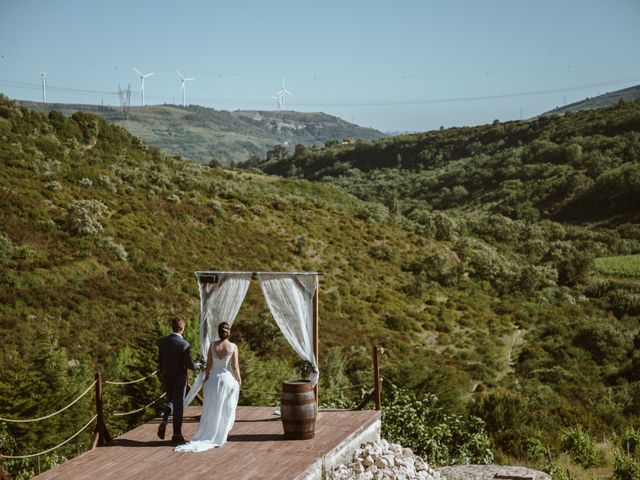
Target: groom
{"type": "Point", "coordinates": [174, 360]}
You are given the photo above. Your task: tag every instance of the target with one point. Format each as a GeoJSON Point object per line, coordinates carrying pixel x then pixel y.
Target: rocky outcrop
{"type": "Point", "coordinates": [382, 460]}
{"type": "Point", "coordinates": [491, 472]}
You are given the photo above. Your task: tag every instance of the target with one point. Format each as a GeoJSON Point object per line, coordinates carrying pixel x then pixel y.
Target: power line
{"type": "Point", "coordinates": [322, 103]}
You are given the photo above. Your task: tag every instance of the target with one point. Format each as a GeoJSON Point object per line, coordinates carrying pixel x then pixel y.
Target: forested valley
{"type": "Point", "coordinates": [498, 266]}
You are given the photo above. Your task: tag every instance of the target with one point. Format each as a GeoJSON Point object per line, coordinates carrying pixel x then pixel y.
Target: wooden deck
{"type": "Point", "coordinates": [255, 450]}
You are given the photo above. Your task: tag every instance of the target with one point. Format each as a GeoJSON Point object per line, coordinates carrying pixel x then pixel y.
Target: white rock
{"type": "Point", "coordinates": [385, 461]}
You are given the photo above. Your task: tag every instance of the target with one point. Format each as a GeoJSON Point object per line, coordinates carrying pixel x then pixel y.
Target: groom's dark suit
{"type": "Point", "coordinates": [174, 360]}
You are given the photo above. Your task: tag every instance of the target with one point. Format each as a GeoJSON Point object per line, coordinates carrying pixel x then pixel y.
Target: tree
{"type": "Point", "coordinates": [278, 152]}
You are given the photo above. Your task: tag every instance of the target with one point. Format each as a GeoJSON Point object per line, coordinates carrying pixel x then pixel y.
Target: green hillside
{"type": "Point", "coordinates": [527, 207]}
{"type": "Point", "coordinates": [484, 303]}
{"type": "Point", "coordinates": [601, 101]}
{"type": "Point", "coordinates": [202, 134]}
{"type": "Point", "coordinates": [579, 166]}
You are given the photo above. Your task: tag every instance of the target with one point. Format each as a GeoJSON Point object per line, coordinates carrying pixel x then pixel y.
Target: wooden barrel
{"type": "Point", "coordinates": [298, 410]}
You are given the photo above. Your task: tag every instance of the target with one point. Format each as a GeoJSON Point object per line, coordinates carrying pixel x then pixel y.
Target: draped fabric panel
{"type": "Point", "coordinates": [290, 300]}
{"type": "Point", "coordinates": [219, 302]}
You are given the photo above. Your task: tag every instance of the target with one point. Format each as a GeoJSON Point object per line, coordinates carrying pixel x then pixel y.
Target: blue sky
{"type": "Point", "coordinates": [393, 65]}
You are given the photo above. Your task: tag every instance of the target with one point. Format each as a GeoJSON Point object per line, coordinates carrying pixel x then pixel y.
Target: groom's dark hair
{"type": "Point", "coordinates": [177, 324]}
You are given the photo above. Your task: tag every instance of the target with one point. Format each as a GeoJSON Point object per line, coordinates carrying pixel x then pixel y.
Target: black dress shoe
{"type": "Point", "coordinates": [178, 440]}
{"type": "Point", "coordinates": [162, 429]}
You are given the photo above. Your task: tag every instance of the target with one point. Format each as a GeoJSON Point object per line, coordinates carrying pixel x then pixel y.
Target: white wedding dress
{"type": "Point", "coordinates": [221, 393]}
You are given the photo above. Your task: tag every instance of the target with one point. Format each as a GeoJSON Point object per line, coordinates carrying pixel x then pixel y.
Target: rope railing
{"type": "Point", "coordinates": [14, 420]}
{"type": "Point", "coordinates": [270, 369]}
{"type": "Point", "coordinates": [122, 414]}
{"type": "Point", "coordinates": [52, 448]}
{"type": "Point", "coordinates": [101, 435]}
{"type": "Point", "coordinates": [249, 390]}
{"type": "Point", "coordinates": [335, 389]}
{"type": "Point", "coordinates": [113, 382]}
{"type": "Point", "coordinates": [349, 387]}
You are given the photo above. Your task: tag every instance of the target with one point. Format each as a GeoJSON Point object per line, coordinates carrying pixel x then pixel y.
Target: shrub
{"type": "Point", "coordinates": [216, 206]}
{"type": "Point", "coordinates": [382, 252]}
{"type": "Point", "coordinates": [625, 467]}
{"type": "Point", "coordinates": [604, 341]}
{"type": "Point", "coordinates": [624, 302]}
{"type": "Point", "coordinates": [115, 249]}
{"type": "Point", "coordinates": [86, 182]}
{"type": "Point", "coordinates": [6, 249]}
{"type": "Point", "coordinates": [105, 182]}
{"type": "Point", "coordinates": [533, 278]}
{"type": "Point", "coordinates": [398, 321]}
{"type": "Point", "coordinates": [373, 213]}
{"type": "Point", "coordinates": [597, 288]}
{"type": "Point", "coordinates": [556, 472]}
{"type": "Point", "coordinates": [579, 446]}
{"type": "Point", "coordinates": [53, 186]}
{"type": "Point", "coordinates": [83, 217]}
{"type": "Point", "coordinates": [442, 225]}
{"type": "Point", "coordinates": [629, 441]}
{"type": "Point", "coordinates": [443, 267]}
{"type": "Point", "coordinates": [485, 262]}
{"type": "Point", "coordinates": [421, 423]}
{"type": "Point", "coordinates": [507, 416]}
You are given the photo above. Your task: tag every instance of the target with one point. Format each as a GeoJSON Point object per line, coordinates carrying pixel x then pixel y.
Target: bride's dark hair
{"type": "Point", "coordinates": [221, 327]}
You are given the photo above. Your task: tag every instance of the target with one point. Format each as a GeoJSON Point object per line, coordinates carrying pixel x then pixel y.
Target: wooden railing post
{"type": "Point", "coordinates": [100, 434]}
{"type": "Point", "coordinates": [377, 386]}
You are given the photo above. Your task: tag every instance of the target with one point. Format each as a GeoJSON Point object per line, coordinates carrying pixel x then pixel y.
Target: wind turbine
{"type": "Point", "coordinates": [279, 99]}
{"type": "Point", "coordinates": [281, 95]}
{"type": "Point", "coordinates": [43, 76]}
{"type": "Point", "coordinates": [142, 77]}
{"type": "Point", "coordinates": [183, 87]}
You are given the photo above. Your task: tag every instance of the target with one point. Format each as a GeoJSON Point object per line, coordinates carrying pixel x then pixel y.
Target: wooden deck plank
{"type": "Point", "coordinates": [256, 449]}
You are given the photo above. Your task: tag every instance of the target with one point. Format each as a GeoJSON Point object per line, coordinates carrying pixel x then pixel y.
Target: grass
{"type": "Point", "coordinates": [623, 266]}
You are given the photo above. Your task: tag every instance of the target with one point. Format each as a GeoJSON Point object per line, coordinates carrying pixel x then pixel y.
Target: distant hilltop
{"type": "Point", "coordinates": [601, 101]}
{"type": "Point", "coordinates": [203, 134]}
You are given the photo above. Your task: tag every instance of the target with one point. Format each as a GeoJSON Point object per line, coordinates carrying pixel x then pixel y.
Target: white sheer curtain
{"type": "Point", "coordinates": [219, 303]}
{"type": "Point", "coordinates": [290, 300]}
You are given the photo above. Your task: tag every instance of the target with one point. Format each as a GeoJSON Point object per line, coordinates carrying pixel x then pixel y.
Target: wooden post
{"type": "Point", "coordinates": [377, 386]}
{"type": "Point", "coordinates": [100, 434]}
{"type": "Point", "coordinates": [315, 333]}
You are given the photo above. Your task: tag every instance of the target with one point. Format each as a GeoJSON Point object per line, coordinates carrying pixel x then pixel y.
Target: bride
{"type": "Point", "coordinates": [221, 389]}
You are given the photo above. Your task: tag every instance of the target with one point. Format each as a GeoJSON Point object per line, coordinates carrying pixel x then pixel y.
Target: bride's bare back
{"type": "Point", "coordinates": [223, 348]}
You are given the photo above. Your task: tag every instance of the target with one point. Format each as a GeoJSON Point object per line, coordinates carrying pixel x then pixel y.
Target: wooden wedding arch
{"type": "Point", "coordinates": [213, 276]}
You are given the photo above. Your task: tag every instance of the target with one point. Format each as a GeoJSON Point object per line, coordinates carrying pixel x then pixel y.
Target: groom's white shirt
{"type": "Point", "coordinates": [176, 333]}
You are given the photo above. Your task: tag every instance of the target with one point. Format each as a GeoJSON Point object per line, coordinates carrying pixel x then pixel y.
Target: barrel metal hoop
{"type": "Point", "coordinates": [294, 402]}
